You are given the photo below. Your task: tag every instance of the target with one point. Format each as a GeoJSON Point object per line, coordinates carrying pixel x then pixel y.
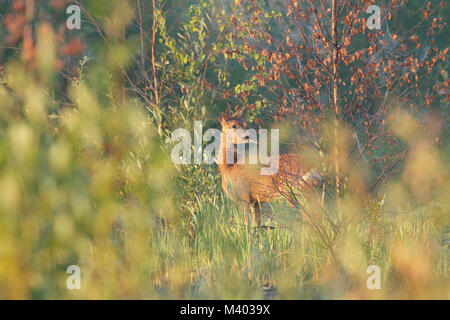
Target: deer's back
{"type": "Point", "coordinates": [243, 182]}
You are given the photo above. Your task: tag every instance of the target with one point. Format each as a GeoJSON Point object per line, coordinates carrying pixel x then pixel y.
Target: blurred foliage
{"type": "Point", "coordinates": [86, 177]}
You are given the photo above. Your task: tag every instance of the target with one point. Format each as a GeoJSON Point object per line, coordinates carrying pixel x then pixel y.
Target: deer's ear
{"type": "Point", "coordinates": [223, 118]}
{"type": "Point", "coordinates": [240, 113]}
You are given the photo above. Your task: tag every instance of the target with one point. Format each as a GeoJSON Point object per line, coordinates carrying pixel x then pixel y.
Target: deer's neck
{"type": "Point", "coordinates": [222, 162]}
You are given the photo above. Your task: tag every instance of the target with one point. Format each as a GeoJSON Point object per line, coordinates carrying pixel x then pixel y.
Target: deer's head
{"type": "Point", "coordinates": [235, 127]}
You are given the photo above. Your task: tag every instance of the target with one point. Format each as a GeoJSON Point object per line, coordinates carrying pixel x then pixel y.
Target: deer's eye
{"type": "Point", "coordinates": [233, 126]}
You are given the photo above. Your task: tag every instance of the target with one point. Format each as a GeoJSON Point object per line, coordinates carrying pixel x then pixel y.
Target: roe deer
{"type": "Point", "coordinates": [244, 182]}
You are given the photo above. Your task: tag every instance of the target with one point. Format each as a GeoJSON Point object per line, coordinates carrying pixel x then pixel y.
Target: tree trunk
{"type": "Point", "coordinates": [335, 102]}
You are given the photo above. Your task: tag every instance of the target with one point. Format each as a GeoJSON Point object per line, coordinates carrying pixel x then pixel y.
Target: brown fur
{"type": "Point", "coordinates": [244, 183]}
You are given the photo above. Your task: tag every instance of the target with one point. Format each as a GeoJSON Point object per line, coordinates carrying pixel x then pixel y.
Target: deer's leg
{"type": "Point", "coordinates": [256, 212]}
{"type": "Point", "coordinates": [245, 206]}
